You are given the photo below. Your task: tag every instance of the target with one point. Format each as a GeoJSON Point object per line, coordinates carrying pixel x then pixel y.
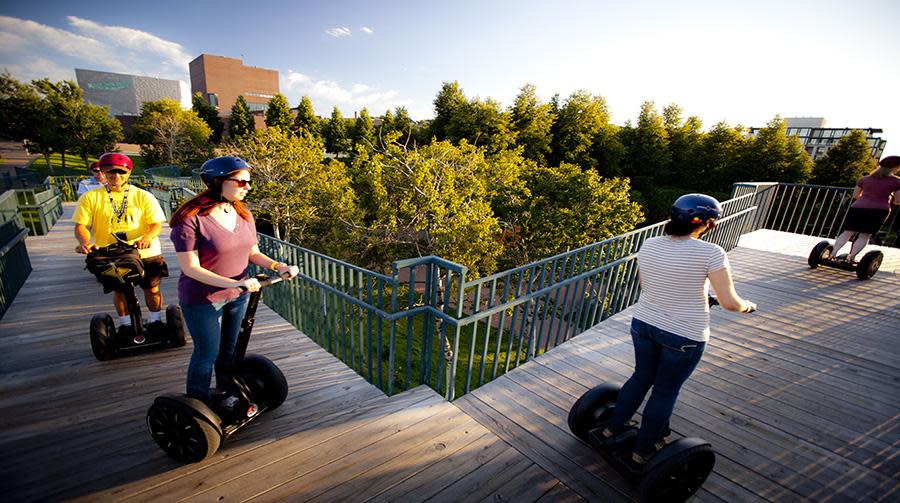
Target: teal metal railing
{"type": "Point", "coordinates": [39, 209]}
{"type": "Point", "coordinates": [427, 324]}
{"type": "Point", "coordinates": [15, 265]}
{"type": "Point", "coordinates": [812, 210]}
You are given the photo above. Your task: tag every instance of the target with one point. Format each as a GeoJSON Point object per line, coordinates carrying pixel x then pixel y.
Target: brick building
{"type": "Point", "coordinates": [221, 80]}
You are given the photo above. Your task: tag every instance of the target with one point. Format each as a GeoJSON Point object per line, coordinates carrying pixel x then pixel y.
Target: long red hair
{"type": "Point", "coordinates": [203, 203]}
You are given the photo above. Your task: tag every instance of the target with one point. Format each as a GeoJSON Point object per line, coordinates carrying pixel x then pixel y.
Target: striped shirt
{"type": "Point", "coordinates": [674, 285]}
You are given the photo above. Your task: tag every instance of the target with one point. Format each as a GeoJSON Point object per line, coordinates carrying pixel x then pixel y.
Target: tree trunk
{"type": "Point", "coordinates": [64, 161]}
{"type": "Point", "coordinates": [47, 160]}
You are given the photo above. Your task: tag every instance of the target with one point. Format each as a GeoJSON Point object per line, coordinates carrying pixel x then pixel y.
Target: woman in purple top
{"type": "Point", "coordinates": [874, 196]}
{"type": "Point", "coordinates": [215, 239]}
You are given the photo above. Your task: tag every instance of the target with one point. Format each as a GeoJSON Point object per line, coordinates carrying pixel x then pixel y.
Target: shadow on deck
{"type": "Point", "coordinates": [799, 401]}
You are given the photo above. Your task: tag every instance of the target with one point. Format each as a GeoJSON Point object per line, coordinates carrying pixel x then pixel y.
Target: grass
{"type": "Point", "coordinates": [74, 165]}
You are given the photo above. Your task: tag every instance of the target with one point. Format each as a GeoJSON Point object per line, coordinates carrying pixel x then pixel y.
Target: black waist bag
{"type": "Point", "coordinates": [117, 266]}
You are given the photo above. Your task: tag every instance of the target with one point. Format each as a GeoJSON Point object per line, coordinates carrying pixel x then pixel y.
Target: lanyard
{"type": "Point", "coordinates": [121, 211]}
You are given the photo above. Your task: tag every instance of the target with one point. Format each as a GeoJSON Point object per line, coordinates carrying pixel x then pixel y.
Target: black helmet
{"type": "Point", "coordinates": [694, 209]}
{"type": "Point", "coordinates": [220, 167]}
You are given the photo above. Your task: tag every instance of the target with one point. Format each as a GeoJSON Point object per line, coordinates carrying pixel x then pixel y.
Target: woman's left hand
{"type": "Point", "coordinates": [288, 271]}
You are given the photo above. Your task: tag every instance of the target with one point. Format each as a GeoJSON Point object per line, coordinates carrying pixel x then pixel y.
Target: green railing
{"type": "Point", "coordinates": [812, 210]}
{"type": "Point", "coordinates": [427, 324]}
{"type": "Point", "coordinates": [15, 265]}
{"type": "Point", "coordinates": [39, 209]}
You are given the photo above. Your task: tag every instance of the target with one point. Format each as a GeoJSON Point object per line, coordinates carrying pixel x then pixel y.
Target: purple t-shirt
{"type": "Point", "coordinates": [877, 192]}
{"type": "Point", "coordinates": [221, 251]}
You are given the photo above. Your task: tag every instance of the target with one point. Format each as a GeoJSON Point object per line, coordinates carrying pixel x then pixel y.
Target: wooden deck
{"type": "Point", "coordinates": [799, 401]}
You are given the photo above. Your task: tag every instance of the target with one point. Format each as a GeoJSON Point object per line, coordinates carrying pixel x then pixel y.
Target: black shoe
{"type": "Point", "coordinates": [125, 332]}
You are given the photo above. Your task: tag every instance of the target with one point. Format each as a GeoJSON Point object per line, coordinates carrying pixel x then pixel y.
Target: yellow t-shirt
{"type": "Point", "coordinates": [142, 211]}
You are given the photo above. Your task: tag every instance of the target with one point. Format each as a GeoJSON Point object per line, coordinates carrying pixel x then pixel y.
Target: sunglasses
{"type": "Point", "coordinates": [116, 172]}
{"type": "Point", "coordinates": [240, 183]}
{"type": "Point", "coordinates": [95, 170]}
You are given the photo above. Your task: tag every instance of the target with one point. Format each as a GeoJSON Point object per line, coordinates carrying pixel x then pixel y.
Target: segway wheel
{"type": "Point", "coordinates": [103, 329]}
{"type": "Point", "coordinates": [869, 265]}
{"type": "Point", "coordinates": [181, 434]}
{"type": "Point", "coordinates": [679, 475]}
{"type": "Point", "coordinates": [594, 409]}
{"type": "Point", "coordinates": [175, 324]}
{"type": "Point", "coordinates": [265, 380]}
{"type": "Point", "coordinates": [820, 251]}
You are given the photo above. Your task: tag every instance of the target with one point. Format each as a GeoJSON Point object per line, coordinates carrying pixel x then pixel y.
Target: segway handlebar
{"type": "Point", "coordinates": [713, 301]}
{"type": "Point", "coordinates": [265, 280]}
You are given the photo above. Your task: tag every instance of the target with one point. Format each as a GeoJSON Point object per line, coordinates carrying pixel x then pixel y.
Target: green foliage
{"type": "Point", "coordinates": [20, 108]}
{"type": "Point", "coordinates": [647, 156]}
{"type": "Point", "coordinates": [307, 201]}
{"type": "Point", "coordinates": [334, 133]}
{"type": "Point", "coordinates": [579, 122]}
{"type": "Point", "coordinates": [452, 114]}
{"type": "Point", "coordinates": [278, 114]}
{"type": "Point", "coordinates": [363, 132]}
{"type": "Point", "coordinates": [306, 121]}
{"type": "Point", "coordinates": [210, 116]}
{"type": "Point", "coordinates": [93, 131]}
{"type": "Point", "coordinates": [491, 127]}
{"type": "Point", "coordinates": [567, 207]}
{"type": "Point", "coordinates": [720, 159]}
{"type": "Point", "coordinates": [532, 121]}
{"type": "Point", "coordinates": [169, 135]}
{"type": "Point", "coordinates": [684, 140]}
{"type": "Point", "coordinates": [241, 122]}
{"type": "Point", "coordinates": [403, 125]}
{"type": "Point", "coordinates": [774, 157]}
{"type": "Point", "coordinates": [845, 162]}
{"type": "Point", "coordinates": [427, 201]}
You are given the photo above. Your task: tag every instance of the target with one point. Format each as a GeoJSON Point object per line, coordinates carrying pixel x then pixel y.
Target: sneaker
{"type": "Point", "coordinates": [642, 458]}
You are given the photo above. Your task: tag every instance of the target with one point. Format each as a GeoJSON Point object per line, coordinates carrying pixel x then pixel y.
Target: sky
{"type": "Point", "coordinates": [738, 62]}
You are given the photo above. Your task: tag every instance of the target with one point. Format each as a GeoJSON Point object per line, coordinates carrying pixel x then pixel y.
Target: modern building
{"type": "Point", "coordinates": [817, 139]}
{"type": "Point", "coordinates": [221, 80]}
{"type": "Point", "coordinates": [124, 94]}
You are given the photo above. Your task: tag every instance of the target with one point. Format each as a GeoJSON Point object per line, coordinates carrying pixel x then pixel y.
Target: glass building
{"type": "Point", "coordinates": [817, 139]}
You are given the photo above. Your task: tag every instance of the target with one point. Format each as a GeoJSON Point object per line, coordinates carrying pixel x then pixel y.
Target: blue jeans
{"type": "Point", "coordinates": [214, 329]}
{"type": "Point", "coordinates": [663, 361]}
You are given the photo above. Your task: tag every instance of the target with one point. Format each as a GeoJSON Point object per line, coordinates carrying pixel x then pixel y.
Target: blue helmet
{"type": "Point", "coordinates": [694, 209]}
{"type": "Point", "coordinates": [221, 167]}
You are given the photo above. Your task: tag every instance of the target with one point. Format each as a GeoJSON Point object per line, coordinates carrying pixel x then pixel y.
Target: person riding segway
{"type": "Point", "coordinates": [215, 239]}
{"type": "Point", "coordinates": [669, 329]}
{"type": "Point", "coordinates": [118, 226]}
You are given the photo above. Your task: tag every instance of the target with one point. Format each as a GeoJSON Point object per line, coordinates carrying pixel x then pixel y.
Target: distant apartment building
{"type": "Point", "coordinates": [221, 80]}
{"type": "Point", "coordinates": [817, 139]}
{"type": "Point", "coordinates": [124, 94]}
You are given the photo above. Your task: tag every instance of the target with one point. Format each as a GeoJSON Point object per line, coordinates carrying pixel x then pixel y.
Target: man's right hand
{"type": "Point", "coordinates": [85, 249]}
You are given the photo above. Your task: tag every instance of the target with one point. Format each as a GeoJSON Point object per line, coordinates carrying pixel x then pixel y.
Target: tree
{"type": "Point", "coordinates": [334, 133]}
{"type": "Point", "coordinates": [532, 120]}
{"type": "Point", "coordinates": [308, 202]}
{"type": "Point", "coordinates": [241, 122]}
{"type": "Point", "coordinates": [306, 121]}
{"type": "Point", "coordinates": [580, 120]}
{"type": "Point", "coordinates": [452, 114]}
{"type": "Point", "coordinates": [774, 157]}
{"type": "Point", "coordinates": [94, 131]}
{"type": "Point", "coordinates": [210, 116]}
{"type": "Point", "coordinates": [647, 156]}
{"type": "Point", "coordinates": [720, 158]}
{"type": "Point", "coordinates": [169, 135]}
{"type": "Point", "coordinates": [424, 201]}
{"type": "Point", "coordinates": [403, 125]}
{"type": "Point", "coordinates": [684, 137]}
{"type": "Point", "coordinates": [845, 162]}
{"type": "Point", "coordinates": [63, 100]}
{"type": "Point", "coordinates": [24, 116]}
{"type": "Point", "coordinates": [568, 207]}
{"type": "Point", "coordinates": [278, 114]}
{"type": "Point", "coordinates": [363, 133]}
{"type": "Point", "coordinates": [491, 127]}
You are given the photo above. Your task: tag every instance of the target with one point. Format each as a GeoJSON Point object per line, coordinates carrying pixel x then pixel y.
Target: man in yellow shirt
{"type": "Point", "coordinates": [136, 217]}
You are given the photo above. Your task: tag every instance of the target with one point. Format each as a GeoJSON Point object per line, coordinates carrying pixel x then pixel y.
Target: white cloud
{"type": "Point", "coordinates": [367, 30]}
{"type": "Point", "coordinates": [338, 32]}
{"type": "Point", "coordinates": [32, 50]}
{"type": "Point", "coordinates": [327, 93]}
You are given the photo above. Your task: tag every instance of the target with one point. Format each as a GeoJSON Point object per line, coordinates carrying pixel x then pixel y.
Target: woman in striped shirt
{"type": "Point", "coordinates": [670, 326]}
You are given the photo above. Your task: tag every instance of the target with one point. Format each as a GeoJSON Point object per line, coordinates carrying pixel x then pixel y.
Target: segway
{"type": "Point", "coordinates": [118, 268]}
{"type": "Point", "coordinates": [865, 268]}
{"type": "Point", "coordinates": [190, 430]}
{"type": "Point", "coordinates": [673, 474]}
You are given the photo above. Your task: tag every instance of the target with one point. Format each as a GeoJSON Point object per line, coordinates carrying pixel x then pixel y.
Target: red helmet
{"type": "Point", "coordinates": [114, 159]}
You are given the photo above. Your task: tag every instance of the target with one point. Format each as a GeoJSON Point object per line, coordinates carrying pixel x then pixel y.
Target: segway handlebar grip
{"type": "Point", "coordinates": [265, 280]}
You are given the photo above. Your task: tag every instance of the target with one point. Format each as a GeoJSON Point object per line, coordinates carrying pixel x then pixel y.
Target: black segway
{"type": "Point", "coordinates": [673, 474]}
{"type": "Point", "coordinates": [191, 430]}
{"type": "Point", "coordinates": [118, 267]}
{"type": "Point", "coordinates": [865, 268]}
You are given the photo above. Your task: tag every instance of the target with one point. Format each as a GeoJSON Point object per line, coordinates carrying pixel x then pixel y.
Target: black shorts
{"type": "Point", "coordinates": [155, 269]}
{"type": "Point", "coordinates": [865, 220]}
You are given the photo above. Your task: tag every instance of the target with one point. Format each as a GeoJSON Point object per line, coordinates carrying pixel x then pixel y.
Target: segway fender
{"type": "Point", "coordinates": [193, 407]}
{"type": "Point", "coordinates": [673, 449]}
